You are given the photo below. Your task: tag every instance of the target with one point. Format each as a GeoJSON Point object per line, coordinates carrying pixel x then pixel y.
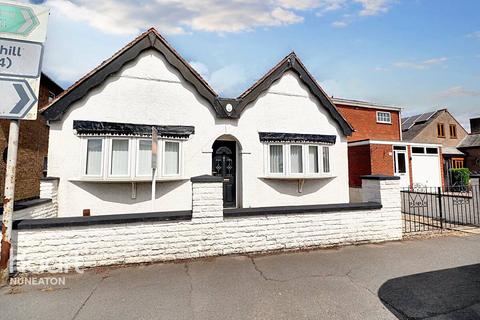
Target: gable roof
{"type": "Point", "coordinates": [470, 141]}
{"type": "Point", "coordinates": [151, 39]}
{"type": "Point", "coordinates": [414, 125]}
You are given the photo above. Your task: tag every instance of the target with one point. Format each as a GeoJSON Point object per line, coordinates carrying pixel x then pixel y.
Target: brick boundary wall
{"type": "Point", "coordinates": [63, 243]}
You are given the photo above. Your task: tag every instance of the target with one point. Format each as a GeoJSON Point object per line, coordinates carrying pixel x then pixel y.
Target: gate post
{"type": "Point", "coordinates": [207, 198]}
{"type": "Point", "coordinates": [382, 189]}
{"type": "Point", "coordinates": [475, 183]}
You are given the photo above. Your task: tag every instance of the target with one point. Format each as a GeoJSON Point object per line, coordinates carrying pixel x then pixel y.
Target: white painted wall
{"type": "Point", "coordinates": [149, 91]}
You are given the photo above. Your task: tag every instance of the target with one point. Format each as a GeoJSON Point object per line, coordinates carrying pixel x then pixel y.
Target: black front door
{"type": "Point", "coordinates": [223, 165]}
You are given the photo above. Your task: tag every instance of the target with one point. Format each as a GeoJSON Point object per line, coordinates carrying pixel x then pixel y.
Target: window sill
{"type": "Point", "coordinates": [299, 177]}
{"type": "Point", "coordinates": [125, 179]}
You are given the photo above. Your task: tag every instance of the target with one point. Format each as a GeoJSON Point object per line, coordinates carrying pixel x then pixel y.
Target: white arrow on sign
{"type": "Point", "coordinates": [17, 98]}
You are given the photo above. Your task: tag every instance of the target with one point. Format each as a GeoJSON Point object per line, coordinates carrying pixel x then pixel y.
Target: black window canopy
{"type": "Point", "coordinates": [296, 137]}
{"type": "Point", "coordinates": [84, 127]}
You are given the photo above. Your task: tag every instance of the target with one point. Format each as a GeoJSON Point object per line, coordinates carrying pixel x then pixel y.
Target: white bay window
{"type": "Point", "coordinates": [130, 159]}
{"type": "Point", "coordinates": [276, 158]}
{"type": "Point", "coordinates": [94, 157]}
{"type": "Point", "coordinates": [313, 159]}
{"type": "Point", "coordinates": [303, 160]}
{"type": "Point", "coordinates": [171, 163]}
{"type": "Point", "coordinates": [144, 158]}
{"type": "Point", "coordinates": [119, 157]}
{"type": "Point", "coordinates": [296, 159]}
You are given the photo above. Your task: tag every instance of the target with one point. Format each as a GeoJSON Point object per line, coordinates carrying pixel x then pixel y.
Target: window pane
{"type": "Point", "coordinates": [119, 164]}
{"type": "Point", "coordinates": [313, 159]}
{"type": "Point", "coordinates": [402, 163]}
{"type": "Point", "coordinates": [418, 150]}
{"type": "Point", "coordinates": [296, 159]}
{"type": "Point", "coordinates": [144, 165]}
{"type": "Point", "coordinates": [276, 159]}
{"type": "Point", "coordinates": [172, 157]}
{"type": "Point", "coordinates": [384, 117]}
{"type": "Point", "coordinates": [94, 157]}
{"type": "Point", "coordinates": [326, 159]}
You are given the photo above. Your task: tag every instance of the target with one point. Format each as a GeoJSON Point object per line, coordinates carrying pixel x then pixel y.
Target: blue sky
{"type": "Point", "coordinates": [417, 54]}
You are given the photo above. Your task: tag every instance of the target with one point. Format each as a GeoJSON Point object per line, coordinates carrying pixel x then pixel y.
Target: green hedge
{"type": "Point", "coordinates": [461, 176]}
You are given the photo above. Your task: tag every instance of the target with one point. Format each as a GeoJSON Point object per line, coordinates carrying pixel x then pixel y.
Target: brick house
{"type": "Point", "coordinates": [33, 146]}
{"type": "Point", "coordinates": [376, 147]}
{"type": "Point", "coordinates": [438, 127]}
{"type": "Point", "coordinates": [470, 146]}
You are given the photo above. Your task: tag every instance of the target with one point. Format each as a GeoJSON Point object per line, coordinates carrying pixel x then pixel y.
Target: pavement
{"type": "Point", "coordinates": [436, 278]}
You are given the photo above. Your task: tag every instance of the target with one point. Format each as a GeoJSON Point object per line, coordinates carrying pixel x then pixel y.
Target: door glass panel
{"type": "Point", "coordinates": [401, 163]}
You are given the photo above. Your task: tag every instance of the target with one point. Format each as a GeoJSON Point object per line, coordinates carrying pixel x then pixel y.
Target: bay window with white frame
{"type": "Point", "coordinates": [302, 160]}
{"type": "Point", "coordinates": [130, 159]}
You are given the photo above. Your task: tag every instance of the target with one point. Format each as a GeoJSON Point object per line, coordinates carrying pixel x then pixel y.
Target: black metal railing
{"type": "Point", "coordinates": [429, 209]}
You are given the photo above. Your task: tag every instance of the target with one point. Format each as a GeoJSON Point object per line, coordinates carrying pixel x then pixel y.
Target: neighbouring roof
{"type": "Point", "coordinates": [51, 85]}
{"type": "Point", "coordinates": [364, 104]}
{"type": "Point", "coordinates": [296, 137]}
{"type": "Point", "coordinates": [412, 126]}
{"type": "Point", "coordinates": [470, 141]}
{"type": "Point", "coordinates": [151, 39]}
{"type": "Point", "coordinates": [452, 151]}
{"type": "Point", "coordinates": [83, 127]}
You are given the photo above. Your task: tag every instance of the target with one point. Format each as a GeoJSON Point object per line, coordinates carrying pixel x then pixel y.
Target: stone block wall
{"type": "Point", "coordinates": [209, 232]}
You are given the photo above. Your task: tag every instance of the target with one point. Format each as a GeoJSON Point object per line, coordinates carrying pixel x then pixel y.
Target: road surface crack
{"type": "Point", "coordinates": [190, 301]}
{"type": "Point", "coordinates": [266, 278]}
{"type": "Point", "coordinates": [88, 298]}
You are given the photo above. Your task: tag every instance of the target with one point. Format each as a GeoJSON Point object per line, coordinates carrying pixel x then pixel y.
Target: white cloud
{"type": "Point", "coordinates": [421, 65]}
{"type": "Point", "coordinates": [380, 69]}
{"type": "Point", "coordinates": [339, 24]}
{"type": "Point", "coordinates": [459, 91]}
{"type": "Point", "coordinates": [225, 80]}
{"type": "Point", "coordinates": [475, 35]}
{"type": "Point", "coordinates": [374, 7]}
{"type": "Point", "coordinates": [126, 17]}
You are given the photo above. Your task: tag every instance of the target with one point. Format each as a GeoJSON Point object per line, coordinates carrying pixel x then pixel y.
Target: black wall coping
{"type": "Point", "coordinates": [321, 208]}
{"type": "Point", "coordinates": [49, 178]}
{"type": "Point", "coordinates": [475, 176]}
{"type": "Point", "coordinates": [101, 220]}
{"type": "Point", "coordinates": [206, 178]}
{"type": "Point", "coordinates": [24, 204]}
{"type": "Point", "coordinates": [380, 177]}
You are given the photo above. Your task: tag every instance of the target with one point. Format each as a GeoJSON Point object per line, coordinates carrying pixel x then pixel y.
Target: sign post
{"type": "Point", "coordinates": [154, 163]}
{"type": "Point", "coordinates": [23, 29]}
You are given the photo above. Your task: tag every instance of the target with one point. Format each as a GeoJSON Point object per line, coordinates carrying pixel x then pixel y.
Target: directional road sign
{"type": "Point", "coordinates": [17, 99]}
{"type": "Point", "coordinates": [20, 58]}
{"type": "Point", "coordinates": [23, 21]}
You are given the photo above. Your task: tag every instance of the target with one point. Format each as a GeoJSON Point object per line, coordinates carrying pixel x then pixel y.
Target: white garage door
{"type": "Point", "coordinates": [426, 171]}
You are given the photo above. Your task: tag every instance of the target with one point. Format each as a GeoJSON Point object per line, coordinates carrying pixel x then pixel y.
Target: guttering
{"type": "Point", "coordinates": [390, 142]}
{"type": "Point", "coordinates": [364, 104]}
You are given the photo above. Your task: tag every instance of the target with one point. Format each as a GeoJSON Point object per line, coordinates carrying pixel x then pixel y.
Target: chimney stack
{"type": "Point", "coordinates": [475, 125]}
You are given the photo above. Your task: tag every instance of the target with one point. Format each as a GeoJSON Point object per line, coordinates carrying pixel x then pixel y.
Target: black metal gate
{"type": "Point", "coordinates": [427, 209]}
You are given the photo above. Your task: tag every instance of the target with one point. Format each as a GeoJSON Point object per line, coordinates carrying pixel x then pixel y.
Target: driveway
{"type": "Point", "coordinates": [435, 278]}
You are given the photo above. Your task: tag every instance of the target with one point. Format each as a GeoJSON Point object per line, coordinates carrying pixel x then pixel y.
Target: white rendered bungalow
{"type": "Point", "coordinates": [282, 142]}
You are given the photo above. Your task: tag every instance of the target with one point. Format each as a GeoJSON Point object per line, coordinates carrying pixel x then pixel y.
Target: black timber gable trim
{"type": "Point", "coordinates": [149, 40]}
{"type": "Point", "coordinates": [291, 63]}
{"type": "Point", "coordinates": [153, 40]}
{"type": "Point", "coordinates": [83, 127]}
